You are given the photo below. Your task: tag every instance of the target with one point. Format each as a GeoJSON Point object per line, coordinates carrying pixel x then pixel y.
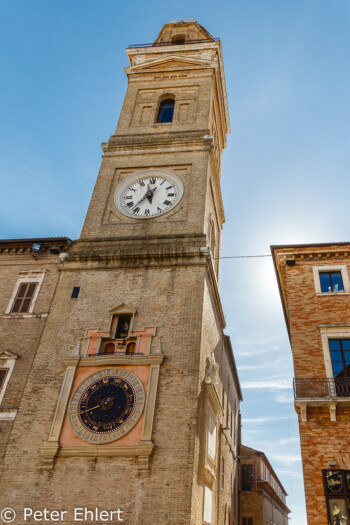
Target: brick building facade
{"type": "Point", "coordinates": [125, 392]}
{"type": "Point", "coordinates": [262, 495]}
{"type": "Point", "coordinates": [27, 286]}
{"type": "Point", "coordinates": [315, 292]}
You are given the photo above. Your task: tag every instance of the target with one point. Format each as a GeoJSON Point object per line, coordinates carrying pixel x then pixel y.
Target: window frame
{"type": "Point", "coordinates": [26, 277]}
{"type": "Point", "coordinates": [7, 362]}
{"type": "Point", "coordinates": [163, 100]}
{"type": "Point", "coordinates": [211, 418]}
{"type": "Point", "coordinates": [207, 504]}
{"type": "Point", "coordinates": [341, 350]}
{"type": "Point", "coordinates": [248, 481]}
{"type": "Point", "coordinates": [342, 268]}
{"type": "Point", "coordinates": [327, 333]}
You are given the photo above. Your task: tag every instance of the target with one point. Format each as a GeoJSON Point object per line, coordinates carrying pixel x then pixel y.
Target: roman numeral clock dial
{"type": "Point", "coordinates": [149, 193]}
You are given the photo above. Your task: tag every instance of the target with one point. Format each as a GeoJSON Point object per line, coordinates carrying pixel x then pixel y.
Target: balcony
{"type": "Point", "coordinates": [331, 392]}
{"type": "Point", "coordinates": [321, 387]}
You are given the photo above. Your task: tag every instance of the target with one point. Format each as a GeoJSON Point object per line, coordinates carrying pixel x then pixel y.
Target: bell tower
{"type": "Point", "coordinates": [173, 123]}
{"type": "Point", "coordinates": [141, 405]}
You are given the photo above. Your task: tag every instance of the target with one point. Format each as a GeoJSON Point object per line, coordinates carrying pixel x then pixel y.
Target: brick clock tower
{"type": "Point", "coordinates": [132, 398]}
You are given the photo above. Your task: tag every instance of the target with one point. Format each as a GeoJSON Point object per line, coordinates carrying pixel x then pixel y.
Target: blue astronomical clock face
{"type": "Point", "coordinates": [106, 406]}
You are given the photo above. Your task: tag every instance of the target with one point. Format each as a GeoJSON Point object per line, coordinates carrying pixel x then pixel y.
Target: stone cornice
{"type": "Point", "coordinates": [174, 250]}
{"type": "Point", "coordinates": [158, 140]}
{"type": "Point", "coordinates": [134, 250]}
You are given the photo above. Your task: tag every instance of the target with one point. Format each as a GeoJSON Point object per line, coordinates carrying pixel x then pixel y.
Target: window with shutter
{"type": "Point", "coordinates": [24, 297]}
{"type": "Point", "coordinates": [247, 477]}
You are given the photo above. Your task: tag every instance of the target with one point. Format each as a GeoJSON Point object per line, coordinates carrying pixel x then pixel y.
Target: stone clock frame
{"type": "Point", "coordinates": [142, 450]}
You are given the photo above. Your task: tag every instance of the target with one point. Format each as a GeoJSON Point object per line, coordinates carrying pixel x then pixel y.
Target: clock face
{"type": "Point", "coordinates": [149, 193]}
{"type": "Point", "coordinates": [106, 405]}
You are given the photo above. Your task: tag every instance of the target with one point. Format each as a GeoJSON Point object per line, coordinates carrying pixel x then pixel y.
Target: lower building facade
{"type": "Point", "coordinates": [262, 495]}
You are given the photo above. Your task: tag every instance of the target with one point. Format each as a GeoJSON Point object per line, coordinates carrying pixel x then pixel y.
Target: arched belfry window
{"type": "Point", "coordinates": [179, 39]}
{"type": "Point", "coordinates": [166, 110]}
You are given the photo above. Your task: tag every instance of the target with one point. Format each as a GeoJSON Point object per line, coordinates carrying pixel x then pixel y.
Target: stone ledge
{"type": "Point", "coordinates": [23, 316]}
{"type": "Point", "coordinates": [8, 415]}
{"type": "Point", "coordinates": [142, 452]}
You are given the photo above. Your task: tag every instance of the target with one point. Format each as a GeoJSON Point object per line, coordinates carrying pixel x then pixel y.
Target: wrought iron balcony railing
{"type": "Point", "coordinates": [321, 387]}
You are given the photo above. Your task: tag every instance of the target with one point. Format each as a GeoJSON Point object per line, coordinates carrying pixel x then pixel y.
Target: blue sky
{"type": "Point", "coordinates": [285, 170]}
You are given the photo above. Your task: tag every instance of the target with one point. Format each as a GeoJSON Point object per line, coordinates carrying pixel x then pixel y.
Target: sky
{"type": "Point", "coordinates": [284, 173]}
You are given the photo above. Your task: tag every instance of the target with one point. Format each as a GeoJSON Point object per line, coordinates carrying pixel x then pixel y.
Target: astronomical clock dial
{"type": "Point", "coordinates": [106, 406]}
{"type": "Point", "coordinates": [149, 193]}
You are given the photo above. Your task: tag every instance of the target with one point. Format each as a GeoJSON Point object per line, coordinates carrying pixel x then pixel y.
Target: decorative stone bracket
{"type": "Point", "coordinates": [303, 406]}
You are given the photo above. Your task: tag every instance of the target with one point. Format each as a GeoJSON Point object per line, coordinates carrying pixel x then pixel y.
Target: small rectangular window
{"type": "Point", "coordinates": [3, 374]}
{"type": "Point", "coordinates": [331, 282]}
{"type": "Point", "coordinates": [24, 297]}
{"type": "Point", "coordinates": [123, 326]}
{"type": "Point", "coordinates": [166, 110]}
{"type": "Point", "coordinates": [331, 279]}
{"type": "Point", "coordinates": [247, 477]}
{"type": "Point", "coordinates": [247, 521]}
{"type": "Point", "coordinates": [75, 292]}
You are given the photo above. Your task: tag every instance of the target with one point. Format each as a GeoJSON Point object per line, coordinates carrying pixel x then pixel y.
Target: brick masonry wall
{"type": "Point", "coordinates": [20, 333]}
{"type": "Point", "coordinates": [170, 299]}
{"type": "Point", "coordinates": [322, 440]}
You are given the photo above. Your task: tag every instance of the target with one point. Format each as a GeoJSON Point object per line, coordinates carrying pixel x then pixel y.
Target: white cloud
{"type": "Point", "coordinates": [264, 419]}
{"type": "Point", "coordinates": [271, 384]}
{"type": "Point", "coordinates": [285, 459]}
{"type": "Point", "coordinates": [284, 398]}
{"type": "Point", "coordinates": [288, 441]}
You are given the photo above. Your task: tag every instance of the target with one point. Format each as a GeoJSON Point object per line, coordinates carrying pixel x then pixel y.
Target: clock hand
{"type": "Point", "coordinates": [143, 198]}
{"type": "Point", "coordinates": [148, 195]}
{"type": "Point", "coordinates": [150, 192]}
{"type": "Point", "coordinates": [88, 410]}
